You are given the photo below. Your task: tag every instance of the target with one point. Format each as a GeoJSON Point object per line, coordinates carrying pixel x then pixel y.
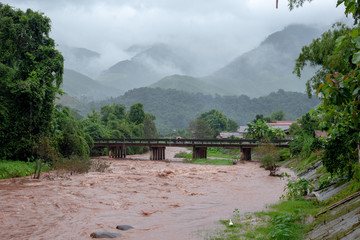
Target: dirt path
{"type": "Point", "coordinates": [161, 200]}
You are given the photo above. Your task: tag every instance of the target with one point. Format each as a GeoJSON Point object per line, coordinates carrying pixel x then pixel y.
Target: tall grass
{"type": "Point", "coordinates": [13, 169]}
{"type": "Point", "coordinates": [203, 161]}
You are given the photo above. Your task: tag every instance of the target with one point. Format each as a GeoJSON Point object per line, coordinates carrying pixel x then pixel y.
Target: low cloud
{"type": "Point", "coordinates": [216, 31]}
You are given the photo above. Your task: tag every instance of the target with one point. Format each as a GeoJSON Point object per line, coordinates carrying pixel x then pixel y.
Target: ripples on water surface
{"type": "Point", "coordinates": [161, 200]}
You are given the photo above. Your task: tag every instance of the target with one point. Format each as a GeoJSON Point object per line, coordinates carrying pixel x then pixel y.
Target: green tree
{"type": "Point", "coordinates": [278, 116]}
{"type": "Point", "coordinates": [72, 140]}
{"type": "Point", "coordinates": [309, 123]}
{"type": "Point", "coordinates": [258, 130]}
{"type": "Point", "coordinates": [340, 94]}
{"type": "Point", "coordinates": [137, 114]}
{"type": "Point", "coordinates": [232, 125]}
{"type": "Point", "coordinates": [262, 118]}
{"type": "Point", "coordinates": [216, 119]}
{"type": "Point", "coordinates": [297, 3]}
{"type": "Point", "coordinates": [200, 128]}
{"type": "Point", "coordinates": [321, 54]}
{"type": "Point", "coordinates": [30, 75]}
{"type": "Point", "coordinates": [149, 128]}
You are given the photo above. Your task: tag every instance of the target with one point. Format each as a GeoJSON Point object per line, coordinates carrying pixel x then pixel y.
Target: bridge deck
{"type": "Point", "coordinates": [244, 143]}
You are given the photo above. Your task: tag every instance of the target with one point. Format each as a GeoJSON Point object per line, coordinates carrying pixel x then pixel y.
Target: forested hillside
{"type": "Point", "coordinates": [176, 109]}
{"type": "Point", "coordinates": [188, 84]}
{"type": "Point", "coordinates": [268, 67]}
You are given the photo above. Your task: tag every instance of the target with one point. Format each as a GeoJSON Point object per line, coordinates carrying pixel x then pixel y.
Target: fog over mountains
{"type": "Point", "coordinates": [258, 72]}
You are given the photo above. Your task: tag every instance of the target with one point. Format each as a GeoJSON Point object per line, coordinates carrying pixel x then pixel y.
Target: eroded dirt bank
{"type": "Point", "coordinates": [161, 200]}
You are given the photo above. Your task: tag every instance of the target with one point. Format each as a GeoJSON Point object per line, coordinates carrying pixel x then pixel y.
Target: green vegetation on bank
{"type": "Point", "coordinates": [216, 156]}
{"type": "Point", "coordinates": [209, 161]}
{"type": "Point", "coordinates": [286, 220]}
{"type": "Point", "coordinates": [332, 160]}
{"type": "Point", "coordinates": [12, 169]}
{"type": "Point", "coordinates": [33, 127]}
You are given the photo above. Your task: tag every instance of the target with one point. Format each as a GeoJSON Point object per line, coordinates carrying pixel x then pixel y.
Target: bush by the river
{"type": "Point", "coordinates": [12, 169]}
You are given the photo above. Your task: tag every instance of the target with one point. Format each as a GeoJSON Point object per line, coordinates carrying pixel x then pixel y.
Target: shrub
{"type": "Point", "coordinates": [296, 189]}
{"type": "Point", "coordinates": [269, 157]}
{"type": "Point", "coordinates": [183, 155]}
{"type": "Point", "coordinates": [269, 161]}
{"type": "Point", "coordinates": [284, 225]}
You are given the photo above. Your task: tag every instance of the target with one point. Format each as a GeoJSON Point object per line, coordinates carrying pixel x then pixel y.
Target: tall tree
{"type": "Point", "coordinates": [340, 99]}
{"type": "Point", "coordinates": [137, 113]}
{"type": "Point", "coordinates": [199, 128]}
{"type": "Point", "coordinates": [30, 75]}
{"type": "Point", "coordinates": [216, 119]}
{"type": "Point", "coordinates": [321, 54]}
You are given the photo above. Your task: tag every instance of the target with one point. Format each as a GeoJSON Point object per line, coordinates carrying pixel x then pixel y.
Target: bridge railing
{"type": "Point", "coordinates": [186, 142]}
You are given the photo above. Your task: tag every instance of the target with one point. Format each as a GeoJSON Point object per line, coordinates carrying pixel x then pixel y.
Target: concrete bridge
{"type": "Point", "coordinates": [117, 147]}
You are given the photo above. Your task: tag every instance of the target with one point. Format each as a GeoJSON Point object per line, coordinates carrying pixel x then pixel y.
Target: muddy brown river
{"type": "Point", "coordinates": [161, 200]}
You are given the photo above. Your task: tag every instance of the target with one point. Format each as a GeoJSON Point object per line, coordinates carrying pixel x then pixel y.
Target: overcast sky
{"type": "Point", "coordinates": [219, 29]}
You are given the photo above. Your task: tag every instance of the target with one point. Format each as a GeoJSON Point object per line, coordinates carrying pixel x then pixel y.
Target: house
{"type": "Point", "coordinates": [225, 135]}
{"type": "Point", "coordinates": [283, 125]}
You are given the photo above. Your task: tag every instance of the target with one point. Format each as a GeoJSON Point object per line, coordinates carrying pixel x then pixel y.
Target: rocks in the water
{"type": "Point", "coordinates": [124, 227]}
{"type": "Point", "coordinates": [104, 235]}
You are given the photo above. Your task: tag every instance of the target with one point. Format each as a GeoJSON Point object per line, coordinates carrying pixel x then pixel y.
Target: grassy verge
{"type": "Point", "coordinates": [223, 153]}
{"type": "Point", "coordinates": [213, 152]}
{"type": "Point", "coordinates": [212, 161]}
{"type": "Point", "coordinates": [285, 220]}
{"type": "Point", "coordinates": [223, 158]}
{"type": "Point", "coordinates": [12, 169]}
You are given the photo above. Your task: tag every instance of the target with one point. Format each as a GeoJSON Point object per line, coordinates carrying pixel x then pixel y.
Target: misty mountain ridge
{"type": "Point", "coordinates": [268, 67]}
{"type": "Point", "coordinates": [83, 87]}
{"type": "Point", "coordinates": [146, 67]}
{"type": "Point", "coordinates": [79, 59]}
{"type": "Point", "coordinates": [258, 72]}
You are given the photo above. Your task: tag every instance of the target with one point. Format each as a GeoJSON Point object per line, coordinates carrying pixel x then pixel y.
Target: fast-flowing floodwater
{"type": "Point", "coordinates": [161, 200]}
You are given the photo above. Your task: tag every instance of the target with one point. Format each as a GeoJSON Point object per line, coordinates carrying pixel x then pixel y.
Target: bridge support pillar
{"type": "Point", "coordinates": [157, 153]}
{"type": "Point", "coordinates": [245, 154]}
{"type": "Point", "coordinates": [199, 152]}
{"type": "Point", "coordinates": [123, 152]}
{"type": "Point", "coordinates": [117, 152]}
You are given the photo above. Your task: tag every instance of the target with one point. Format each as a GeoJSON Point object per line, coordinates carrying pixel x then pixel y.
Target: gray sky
{"type": "Point", "coordinates": [219, 30]}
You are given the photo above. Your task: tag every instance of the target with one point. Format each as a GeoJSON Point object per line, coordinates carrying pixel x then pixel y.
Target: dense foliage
{"type": "Point", "coordinates": [32, 126]}
{"type": "Point", "coordinates": [30, 75]}
{"type": "Point", "coordinates": [210, 124]}
{"type": "Point", "coordinates": [259, 130]}
{"type": "Point", "coordinates": [338, 54]}
{"type": "Point", "coordinates": [115, 122]}
{"type": "Point", "coordinates": [304, 140]}
{"type": "Point", "coordinates": [176, 109]}
{"type": "Point", "coordinates": [320, 54]}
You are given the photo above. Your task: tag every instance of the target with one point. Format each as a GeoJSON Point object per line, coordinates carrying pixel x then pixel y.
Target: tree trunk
{"type": "Point", "coordinates": [359, 154]}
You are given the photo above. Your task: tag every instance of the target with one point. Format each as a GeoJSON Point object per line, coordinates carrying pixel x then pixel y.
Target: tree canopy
{"type": "Point", "coordinates": [338, 88]}
{"type": "Point", "coordinates": [30, 75]}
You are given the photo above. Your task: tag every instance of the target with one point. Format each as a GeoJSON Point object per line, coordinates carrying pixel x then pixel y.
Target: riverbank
{"type": "Point", "coordinates": [330, 210]}
{"type": "Point", "coordinates": [161, 200]}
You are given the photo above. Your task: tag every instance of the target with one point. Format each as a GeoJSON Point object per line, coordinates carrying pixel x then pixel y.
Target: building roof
{"type": "Point", "coordinates": [229, 134]}
{"type": "Point", "coordinates": [283, 125]}
{"type": "Point", "coordinates": [243, 129]}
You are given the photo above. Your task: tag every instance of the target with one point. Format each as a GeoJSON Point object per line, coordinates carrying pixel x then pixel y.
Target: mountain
{"type": "Point", "coordinates": [188, 84]}
{"type": "Point", "coordinates": [268, 67]}
{"type": "Point", "coordinates": [80, 86]}
{"type": "Point", "coordinates": [146, 67]}
{"type": "Point", "coordinates": [82, 60]}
